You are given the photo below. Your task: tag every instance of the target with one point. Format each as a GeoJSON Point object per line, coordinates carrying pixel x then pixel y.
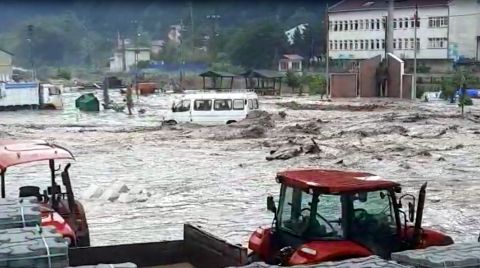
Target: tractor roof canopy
{"type": "Point", "coordinates": [334, 181]}
{"type": "Point", "coordinates": [15, 152]}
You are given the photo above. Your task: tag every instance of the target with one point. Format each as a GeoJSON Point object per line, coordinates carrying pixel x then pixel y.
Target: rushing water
{"type": "Point", "coordinates": [222, 185]}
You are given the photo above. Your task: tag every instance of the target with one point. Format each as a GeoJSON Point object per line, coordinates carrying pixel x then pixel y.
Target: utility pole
{"type": "Point", "coordinates": [414, 91]}
{"type": "Point", "coordinates": [30, 43]}
{"type": "Point", "coordinates": [389, 40]}
{"type": "Point", "coordinates": [193, 29]}
{"type": "Point", "coordinates": [327, 45]}
{"type": "Point", "coordinates": [136, 58]}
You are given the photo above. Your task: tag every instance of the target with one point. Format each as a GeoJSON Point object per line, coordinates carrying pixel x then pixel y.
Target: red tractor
{"type": "Point", "coordinates": [329, 215]}
{"type": "Point", "coordinates": [58, 207]}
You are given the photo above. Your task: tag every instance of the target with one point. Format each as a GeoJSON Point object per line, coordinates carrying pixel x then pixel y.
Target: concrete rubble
{"type": "Point", "coordinates": [456, 255]}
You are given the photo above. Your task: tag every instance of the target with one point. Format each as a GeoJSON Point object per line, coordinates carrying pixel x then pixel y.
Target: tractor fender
{"type": "Point", "coordinates": [260, 242]}
{"type": "Point", "coordinates": [322, 251]}
{"type": "Point", "coordinates": [433, 238]}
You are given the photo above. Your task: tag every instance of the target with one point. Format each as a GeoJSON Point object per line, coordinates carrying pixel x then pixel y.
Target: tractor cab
{"type": "Point", "coordinates": [328, 215]}
{"type": "Point", "coordinates": [58, 205]}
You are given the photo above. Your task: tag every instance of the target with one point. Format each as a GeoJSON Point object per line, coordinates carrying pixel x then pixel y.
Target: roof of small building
{"type": "Point", "coordinates": [217, 74]}
{"type": "Point", "coordinates": [361, 5]}
{"type": "Point", "coordinates": [6, 51]}
{"type": "Point", "coordinates": [293, 57]}
{"type": "Point", "coordinates": [263, 74]}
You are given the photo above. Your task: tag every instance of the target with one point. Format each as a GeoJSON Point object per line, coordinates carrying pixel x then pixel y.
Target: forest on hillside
{"type": "Point", "coordinates": [84, 33]}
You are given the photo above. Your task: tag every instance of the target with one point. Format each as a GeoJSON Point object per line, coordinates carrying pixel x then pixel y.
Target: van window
{"type": "Point", "coordinates": [222, 105]}
{"type": "Point", "coordinates": [202, 105]}
{"type": "Point", "coordinates": [54, 91]}
{"type": "Point", "coordinates": [238, 104]}
{"type": "Point", "coordinates": [255, 104]}
{"type": "Point", "coordinates": [250, 104]}
{"type": "Point", "coordinates": [183, 106]}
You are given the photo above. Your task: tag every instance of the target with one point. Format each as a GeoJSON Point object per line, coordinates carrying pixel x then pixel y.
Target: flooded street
{"type": "Point", "coordinates": [215, 178]}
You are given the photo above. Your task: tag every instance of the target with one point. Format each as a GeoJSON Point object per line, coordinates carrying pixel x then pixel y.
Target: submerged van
{"type": "Point", "coordinates": [212, 108]}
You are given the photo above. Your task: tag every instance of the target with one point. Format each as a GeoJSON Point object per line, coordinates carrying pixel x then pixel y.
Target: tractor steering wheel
{"type": "Point", "coordinates": [321, 217]}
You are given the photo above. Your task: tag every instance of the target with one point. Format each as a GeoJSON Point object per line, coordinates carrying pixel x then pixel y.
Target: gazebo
{"type": "Point", "coordinates": [214, 76]}
{"type": "Point", "coordinates": [264, 81]}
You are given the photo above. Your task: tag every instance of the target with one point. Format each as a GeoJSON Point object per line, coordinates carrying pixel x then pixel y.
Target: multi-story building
{"type": "Point", "coordinates": [6, 68]}
{"type": "Point", "coordinates": [446, 30]}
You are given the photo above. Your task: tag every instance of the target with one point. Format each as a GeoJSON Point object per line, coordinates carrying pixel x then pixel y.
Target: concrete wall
{"type": "Point", "coordinates": [407, 86]}
{"type": "Point", "coordinates": [343, 85]}
{"type": "Point", "coordinates": [464, 28]}
{"type": "Point", "coordinates": [116, 64]}
{"type": "Point", "coordinates": [395, 74]}
{"type": "Point", "coordinates": [423, 33]}
{"type": "Point", "coordinates": [367, 77]}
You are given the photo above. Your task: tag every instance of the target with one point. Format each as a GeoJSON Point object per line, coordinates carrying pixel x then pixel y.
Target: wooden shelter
{"type": "Point", "coordinates": [264, 82]}
{"type": "Point", "coordinates": [214, 77]}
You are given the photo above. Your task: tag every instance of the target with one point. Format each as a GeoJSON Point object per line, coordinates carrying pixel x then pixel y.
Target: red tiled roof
{"type": "Point", "coordinates": [293, 57]}
{"type": "Point", "coordinates": [334, 181]}
{"type": "Point", "coordinates": [358, 5]}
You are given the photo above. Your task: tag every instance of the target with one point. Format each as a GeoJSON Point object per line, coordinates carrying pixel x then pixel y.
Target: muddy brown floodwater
{"type": "Point", "coordinates": [218, 177]}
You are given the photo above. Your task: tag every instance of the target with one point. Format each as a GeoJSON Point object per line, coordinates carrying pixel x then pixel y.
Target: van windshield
{"type": "Point", "coordinates": [182, 106]}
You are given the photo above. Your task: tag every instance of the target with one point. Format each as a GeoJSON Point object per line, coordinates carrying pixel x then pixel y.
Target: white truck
{"type": "Point", "coordinates": [30, 95]}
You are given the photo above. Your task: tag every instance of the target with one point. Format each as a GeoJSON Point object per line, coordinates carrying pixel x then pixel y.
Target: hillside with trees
{"type": "Point", "coordinates": [84, 33]}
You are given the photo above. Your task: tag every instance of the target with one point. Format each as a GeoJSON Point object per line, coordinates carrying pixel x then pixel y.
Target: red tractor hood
{"type": "Point", "coordinates": [321, 251]}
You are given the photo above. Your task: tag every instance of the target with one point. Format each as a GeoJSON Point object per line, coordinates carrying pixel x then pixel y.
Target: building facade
{"type": "Point", "coordinates": [357, 29]}
{"type": "Point", "coordinates": [117, 61]}
{"type": "Point", "coordinates": [290, 62]}
{"type": "Point", "coordinates": [6, 67]}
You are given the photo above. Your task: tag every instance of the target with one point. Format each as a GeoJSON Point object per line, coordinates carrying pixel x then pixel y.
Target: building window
{"type": "Point", "coordinates": [400, 23]}
{"type": "Point", "coordinates": [345, 25]}
{"type": "Point", "coordinates": [372, 24]}
{"type": "Point", "coordinates": [340, 26]}
{"type": "Point", "coordinates": [361, 25]}
{"type": "Point", "coordinates": [340, 46]}
{"type": "Point", "coordinates": [394, 23]}
{"type": "Point", "coordinates": [405, 45]}
{"type": "Point", "coordinates": [437, 22]}
{"type": "Point", "coordinates": [378, 24]}
{"type": "Point", "coordinates": [394, 43]}
{"type": "Point", "coordinates": [412, 23]}
{"type": "Point", "coordinates": [383, 43]}
{"type": "Point", "coordinates": [400, 43]}
{"type": "Point", "coordinates": [331, 44]}
{"type": "Point", "coordinates": [367, 24]}
{"type": "Point", "coordinates": [283, 66]}
{"type": "Point", "coordinates": [335, 45]}
{"type": "Point", "coordinates": [412, 44]}
{"type": "Point", "coordinates": [345, 44]}
{"type": "Point", "coordinates": [418, 43]}
{"type": "Point", "coordinates": [361, 45]}
{"type": "Point", "coordinates": [378, 43]}
{"type": "Point", "coordinates": [405, 20]}
{"type": "Point", "coordinates": [372, 44]}
{"type": "Point", "coordinates": [437, 42]}
{"type": "Point", "coordinates": [296, 66]}
{"type": "Point", "coordinates": [356, 45]}
{"type": "Point", "coordinates": [351, 25]}
{"type": "Point", "coordinates": [356, 25]}
{"type": "Point", "coordinates": [330, 26]}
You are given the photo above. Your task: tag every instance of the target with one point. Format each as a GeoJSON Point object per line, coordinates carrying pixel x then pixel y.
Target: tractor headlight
{"type": "Point", "coordinates": [309, 251]}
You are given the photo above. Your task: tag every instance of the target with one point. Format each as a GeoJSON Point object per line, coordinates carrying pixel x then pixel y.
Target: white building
{"type": "Point", "coordinates": [116, 62]}
{"type": "Point", "coordinates": [357, 29]}
{"type": "Point", "coordinates": [290, 62]}
{"type": "Point", "coordinates": [6, 69]}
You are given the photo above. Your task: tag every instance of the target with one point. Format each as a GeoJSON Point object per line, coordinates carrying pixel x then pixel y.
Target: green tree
{"type": "Point", "coordinates": [294, 81]}
{"type": "Point", "coordinates": [317, 85]}
{"type": "Point", "coordinates": [257, 46]}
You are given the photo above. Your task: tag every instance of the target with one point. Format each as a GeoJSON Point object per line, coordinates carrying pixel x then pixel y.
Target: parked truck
{"type": "Point", "coordinates": [30, 95]}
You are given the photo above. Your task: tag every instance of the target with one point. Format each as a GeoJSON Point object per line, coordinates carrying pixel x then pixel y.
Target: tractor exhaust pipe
{"type": "Point", "coordinates": [419, 216]}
